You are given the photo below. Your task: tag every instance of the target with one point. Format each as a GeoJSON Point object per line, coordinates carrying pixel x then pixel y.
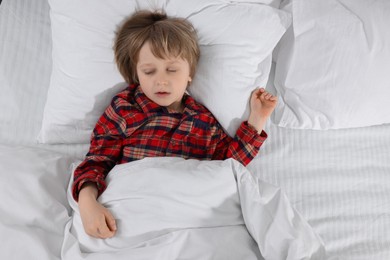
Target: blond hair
{"type": "Point", "coordinates": [167, 36]}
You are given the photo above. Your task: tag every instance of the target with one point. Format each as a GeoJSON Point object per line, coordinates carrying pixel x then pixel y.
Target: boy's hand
{"type": "Point", "coordinates": [262, 105]}
{"type": "Point", "coordinates": [97, 220]}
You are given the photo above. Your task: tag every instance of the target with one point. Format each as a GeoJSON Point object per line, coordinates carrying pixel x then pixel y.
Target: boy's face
{"type": "Point", "coordinates": [164, 81]}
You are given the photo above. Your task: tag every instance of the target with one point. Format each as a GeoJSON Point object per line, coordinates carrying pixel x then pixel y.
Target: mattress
{"type": "Point", "coordinates": [337, 179]}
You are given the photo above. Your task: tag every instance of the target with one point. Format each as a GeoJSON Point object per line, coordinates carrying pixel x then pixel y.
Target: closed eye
{"type": "Point", "coordinates": [149, 72]}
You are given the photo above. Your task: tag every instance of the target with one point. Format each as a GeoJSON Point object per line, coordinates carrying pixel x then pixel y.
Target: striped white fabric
{"type": "Point", "coordinates": [25, 68]}
{"type": "Point", "coordinates": [25, 65]}
{"type": "Point", "coordinates": [339, 180]}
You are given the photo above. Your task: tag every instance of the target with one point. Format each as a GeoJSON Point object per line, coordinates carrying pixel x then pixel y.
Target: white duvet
{"type": "Point", "coordinates": [171, 208]}
{"type": "Point", "coordinates": [33, 206]}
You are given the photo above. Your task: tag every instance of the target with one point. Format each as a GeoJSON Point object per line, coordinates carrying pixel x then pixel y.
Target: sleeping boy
{"type": "Point", "coordinates": [154, 116]}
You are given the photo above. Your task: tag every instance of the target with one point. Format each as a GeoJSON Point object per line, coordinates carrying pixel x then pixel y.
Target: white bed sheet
{"type": "Point", "coordinates": [33, 208]}
{"type": "Point", "coordinates": [339, 180]}
{"type": "Point", "coordinates": [25, 67]}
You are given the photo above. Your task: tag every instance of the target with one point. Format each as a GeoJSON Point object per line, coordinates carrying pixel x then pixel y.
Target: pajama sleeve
{"type": "Point", "coordinates": [243, 147]}
{"type": "Point", "coordinates": [105, 149]}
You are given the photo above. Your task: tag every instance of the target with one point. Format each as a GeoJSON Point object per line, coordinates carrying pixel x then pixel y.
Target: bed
{"type": "Point", "coordinates": [319, 189]}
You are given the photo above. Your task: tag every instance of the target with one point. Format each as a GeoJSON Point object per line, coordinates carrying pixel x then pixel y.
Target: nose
{"type": "Point", "coordinates": [161, 80]}
{"type": "Point", "coordinates": [162, 83]}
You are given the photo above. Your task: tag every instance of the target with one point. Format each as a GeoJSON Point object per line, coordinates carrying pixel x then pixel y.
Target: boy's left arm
{"type": "Point", "coordinates": [250, 135]}
{"type": "Point", "coordinates": [243, 147]}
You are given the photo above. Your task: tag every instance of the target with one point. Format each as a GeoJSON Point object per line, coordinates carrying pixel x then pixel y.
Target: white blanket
{"type": "Point", "coordinates": [171, 208]}
{"type": "Point", "coordinates": [33, 206]}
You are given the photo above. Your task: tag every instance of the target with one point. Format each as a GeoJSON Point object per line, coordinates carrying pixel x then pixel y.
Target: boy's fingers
{"type": "Point", "coordinates": [111, 223]}
{"type": "Point", "coordinates": [268, 96]}
{"type": "Point", "coordinates": [262, 97]}
{"type": "Point", "coordinates": [257, 92]}
{"type": "Point", "coordinates": [104, 232]}
{"type": "Point", "coordinates": [261, 91]}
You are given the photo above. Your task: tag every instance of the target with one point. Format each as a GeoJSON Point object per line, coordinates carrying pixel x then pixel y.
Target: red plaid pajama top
{"type": "Point", "coordinates": [134, 127]}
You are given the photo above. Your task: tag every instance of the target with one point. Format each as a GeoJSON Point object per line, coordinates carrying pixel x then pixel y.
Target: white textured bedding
{"type": "Point", "coordinates": [25, 67]}
{"type": "Point", "coordinates": [338, 180]}
{"type": "Point", "coordinates": [33, 209]}
{"type": "Point", "coordinates": [189, 209]}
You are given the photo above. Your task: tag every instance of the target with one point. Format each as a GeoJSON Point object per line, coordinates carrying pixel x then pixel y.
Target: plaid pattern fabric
{"type": "Point", "coordinates": [133, 127]}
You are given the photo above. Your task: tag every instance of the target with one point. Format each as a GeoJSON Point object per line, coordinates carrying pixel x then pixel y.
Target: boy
{"type": "Point", "coordinates": [157, 55]}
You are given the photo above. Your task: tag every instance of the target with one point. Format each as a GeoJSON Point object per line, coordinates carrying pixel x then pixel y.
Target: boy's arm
{"type": "Point", "coordinates": [97, 220]}
{"type": "Point", "coordinates": [243, 147]}
{"type": "Point", "coordinates": [104, 152]}
{"type": "Point", "coordinates": [101, 158]}
{"type": "Point", "coordinates": [250, 136]}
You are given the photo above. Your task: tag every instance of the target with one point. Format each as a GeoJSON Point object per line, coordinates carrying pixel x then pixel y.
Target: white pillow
{"type": "Point", "coordinates": [333, 65]}
{"type": "Point", "coordinates": [236, 41]}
